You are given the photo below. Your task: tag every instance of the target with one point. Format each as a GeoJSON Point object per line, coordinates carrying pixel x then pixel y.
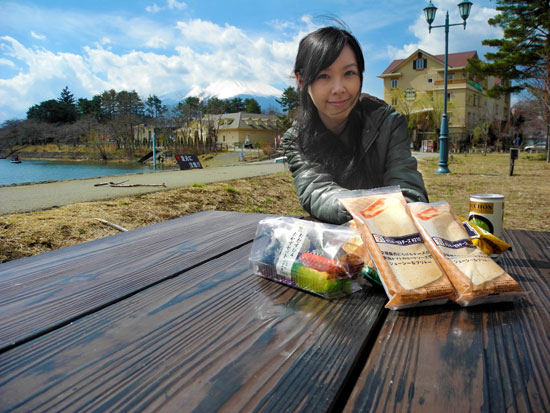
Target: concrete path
{"type": "Point", "coordinates": [34, 197]}
{"type": "Point", "coordinates": [27, 198]}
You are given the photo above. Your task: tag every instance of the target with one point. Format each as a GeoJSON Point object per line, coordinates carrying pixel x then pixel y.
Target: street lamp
{"type": "Point", "coordinates": [429, 12]}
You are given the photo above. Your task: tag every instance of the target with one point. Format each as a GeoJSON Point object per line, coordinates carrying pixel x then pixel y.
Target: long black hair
{"type": "Point", "coordinates": [316, 52]}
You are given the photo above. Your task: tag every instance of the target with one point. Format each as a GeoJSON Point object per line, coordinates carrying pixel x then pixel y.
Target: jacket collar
{"type": "Point", "coordinates": [374, 111]}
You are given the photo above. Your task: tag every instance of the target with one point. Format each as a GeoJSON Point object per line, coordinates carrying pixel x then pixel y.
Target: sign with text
{"type": "Point", "coordinates": [188, 162]}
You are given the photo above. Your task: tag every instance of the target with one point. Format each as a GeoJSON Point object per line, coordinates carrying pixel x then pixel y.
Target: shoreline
{"type": "Point", "coordinates": [39, 196]}
{"type": "Point", "coordinates": [49, 181]}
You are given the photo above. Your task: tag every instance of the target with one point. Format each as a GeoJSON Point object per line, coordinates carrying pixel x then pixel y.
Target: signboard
{"type": "Point", "coordinates": [188, 162]}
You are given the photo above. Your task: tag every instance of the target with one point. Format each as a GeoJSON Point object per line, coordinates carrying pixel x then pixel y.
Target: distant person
{"type": "Point", "coordinates": [343, 140]}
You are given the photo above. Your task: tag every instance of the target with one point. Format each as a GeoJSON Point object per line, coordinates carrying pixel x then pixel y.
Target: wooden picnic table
{"type": "Point", "coordinates": [169, 317]}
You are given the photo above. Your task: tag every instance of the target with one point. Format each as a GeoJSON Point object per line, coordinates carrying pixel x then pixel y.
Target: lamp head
{"type": "Point", "coordinates": [429, 12]}
{"type": "Point", "coordinates": [464, 7]}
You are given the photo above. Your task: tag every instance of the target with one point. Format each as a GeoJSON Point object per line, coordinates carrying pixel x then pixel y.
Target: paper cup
{"type": "Point", "coordinates": [487, 212]}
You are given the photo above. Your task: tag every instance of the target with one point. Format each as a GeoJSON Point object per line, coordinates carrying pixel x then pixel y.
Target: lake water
{"type": "Point", "coordinates": [40, 171]}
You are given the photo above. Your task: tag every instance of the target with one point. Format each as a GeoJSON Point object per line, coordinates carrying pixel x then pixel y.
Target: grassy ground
{"type": "Point", "coordinates": [527, 195]}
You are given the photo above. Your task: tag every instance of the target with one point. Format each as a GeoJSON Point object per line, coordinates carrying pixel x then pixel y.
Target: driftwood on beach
{"type": "Point", "coordinates": [110, 183]}
{"type": "Point", "coordinates": [132, 185]}
{"type": "Point", "coordinates": [123, 185]}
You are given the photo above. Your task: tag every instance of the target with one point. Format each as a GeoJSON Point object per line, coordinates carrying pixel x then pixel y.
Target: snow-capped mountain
{"type": "Point", "coordinates": [226, 89]}
{"type": "Point", "coordinates": [264, 94]}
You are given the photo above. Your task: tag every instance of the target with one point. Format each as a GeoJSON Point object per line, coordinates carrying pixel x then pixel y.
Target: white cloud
{"type": "Point", "coordinates": [460, 40]}
{"type": "Point", "coordinates": [170, 5]}
{"type": "Point", "coordinates": [154, 8]}
{"type": "Point", "coordinates": [178, 5]}
{"type": "Point", "coordinates": [38, 36]}
{"type": "Point", "coordinates": [6, 62]}
{"type": "Point", "coordinates": [203, 53]}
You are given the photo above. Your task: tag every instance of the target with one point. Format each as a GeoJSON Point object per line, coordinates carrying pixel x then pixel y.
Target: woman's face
{"type": "Point", "coordinates": [336, 90]}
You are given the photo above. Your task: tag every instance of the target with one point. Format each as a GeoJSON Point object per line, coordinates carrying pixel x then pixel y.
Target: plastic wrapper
{"type": "Point", "coordinates": [488, 243]}
{"type": "Point", "coordinates": [409, 273]}
{"type": "Point", "coordinates": [369, 269]}
{"type": "Point", "coordinates": [319, 258]}
{"type": "Point", "coordinates": [476, 278]}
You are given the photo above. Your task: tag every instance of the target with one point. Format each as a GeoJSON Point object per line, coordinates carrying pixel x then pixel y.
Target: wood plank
{"type": "Point", "coordinates": [490, 358]}
{"type": "Point", "coordinates": [214, 338]}
{"type": "Point", "coordinates": [45, 291]}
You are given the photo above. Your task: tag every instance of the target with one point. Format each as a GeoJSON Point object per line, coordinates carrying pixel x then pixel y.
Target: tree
{"type": "Point", "coordinates": [523, 57]}
{"type": "Point", "coordinates": [252, 106]}
{"type": "Point", "coordinates": [66, 96]}
{"type": "Point", "coordinates": [215, 105]}
{"type": "Point", "coordinates": [154, 107]}
{"type": "Point", "coordinates": [235, 105]}
{"type": "Point", "coordinates": [191, 110]}
{"type": "Point", "coordinates": [90, 107]}
{"type": "Point", "coordinates": [124, 110]}
{"type": "Point", "coordinates": [52, 111]}
{"type": "Point", "coordinates": [67, 100]}
{"type": "Point", "coordinates": [289, 99]}
{"type": "Point", "coordinates": [109, 103]}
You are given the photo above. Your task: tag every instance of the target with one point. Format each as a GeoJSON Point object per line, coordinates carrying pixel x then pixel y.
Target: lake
{"type": "Point", "coordinates": [40, 171]}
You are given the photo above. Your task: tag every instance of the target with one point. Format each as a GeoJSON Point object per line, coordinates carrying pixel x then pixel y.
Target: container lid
{"type": "Point", "coordinates": [487, 196]}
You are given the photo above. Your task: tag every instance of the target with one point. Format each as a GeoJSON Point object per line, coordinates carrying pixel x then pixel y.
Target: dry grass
{"type": "Point", "coordinates": [22, 235]}
{"type": "Point", "coordinates": [527, 195]}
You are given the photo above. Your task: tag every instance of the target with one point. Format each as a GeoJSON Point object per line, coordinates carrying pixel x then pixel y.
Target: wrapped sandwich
{"type": "Point", "coordinates": [408, 271]}
{"type": "Point", "coordinates": [475, 276]}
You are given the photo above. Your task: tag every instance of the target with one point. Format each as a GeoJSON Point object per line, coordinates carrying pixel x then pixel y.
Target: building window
{"type": "Point", "coordinates": [450, 77]}
{"type": "Point", "coordinates": [394, 101]}
{"type": "Point", "coordinates": [420, 64]}
{"type": "Point", "coordinates": [449, 96]}
{"type": "Point", "coordinates": [410, 94]}
{"type": "Point", "coordinates": [430, 80]}
{"type": "Point", "coordinates": [394, 83]}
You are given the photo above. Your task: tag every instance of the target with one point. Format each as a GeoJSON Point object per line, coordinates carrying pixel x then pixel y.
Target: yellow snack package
{"type": "Point", "coordinates": [487, 242]}
{"type": "Point", "coordinates": [476, 278]}
{"type": "Point", "coordinates": [409, 273]}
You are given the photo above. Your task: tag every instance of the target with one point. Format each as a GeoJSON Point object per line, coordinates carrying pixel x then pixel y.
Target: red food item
{"type": "Point", "coordinates": [323, 264]}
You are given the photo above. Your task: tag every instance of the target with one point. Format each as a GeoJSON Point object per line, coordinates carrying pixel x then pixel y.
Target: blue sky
{"type": "Point", "coordinates": [169, 47]}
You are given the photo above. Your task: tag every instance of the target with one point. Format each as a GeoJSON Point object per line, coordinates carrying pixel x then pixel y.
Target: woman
{"type": "Point", "coordinates": [342, 140]}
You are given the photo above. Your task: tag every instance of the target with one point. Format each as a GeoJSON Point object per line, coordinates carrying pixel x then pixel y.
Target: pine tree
{"type": "Point", "coordinates": [522, 61]}
{"type": "Point", "coordinates": [289, 99]}
{"type": "Point", "coordinates": [66, 97]}
{"type": "Point", "coordinates": [252, 105]}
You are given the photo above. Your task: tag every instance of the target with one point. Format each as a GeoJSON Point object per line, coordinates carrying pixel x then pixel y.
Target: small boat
{"type": "Point", "coordinates": [15, 159]}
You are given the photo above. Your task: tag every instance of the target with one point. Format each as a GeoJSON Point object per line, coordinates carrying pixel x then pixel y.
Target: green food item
{"type": "Point", "coordinates": [371, 274]}
{"type": "Point", "coordinates": [316, 281]}
{"type": "Point", "coordinates": [480, 223]}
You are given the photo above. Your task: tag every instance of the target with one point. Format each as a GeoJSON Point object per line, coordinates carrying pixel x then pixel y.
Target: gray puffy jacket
{"type": "Point", "coordinates": [386, 160]}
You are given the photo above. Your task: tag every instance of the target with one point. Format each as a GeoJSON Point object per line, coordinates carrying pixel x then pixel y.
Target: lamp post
{"type": "Point", "coordinates": [429, 12]}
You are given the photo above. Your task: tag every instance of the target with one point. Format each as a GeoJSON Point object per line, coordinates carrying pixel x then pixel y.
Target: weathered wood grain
{"type": "Point", "coordinates": [214, 338]}
{"type": "Point", "coordinates": [45, 291]}
{"type": "Point", "coordinates": [490, 358]}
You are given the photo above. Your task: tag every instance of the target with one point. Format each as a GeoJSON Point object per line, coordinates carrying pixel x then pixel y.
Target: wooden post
{"type": "Point", "coordinates": [513, 156]}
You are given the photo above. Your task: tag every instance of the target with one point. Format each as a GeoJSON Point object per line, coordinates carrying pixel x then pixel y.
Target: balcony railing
{"type": "Point", "coordinates": [451, 81]}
